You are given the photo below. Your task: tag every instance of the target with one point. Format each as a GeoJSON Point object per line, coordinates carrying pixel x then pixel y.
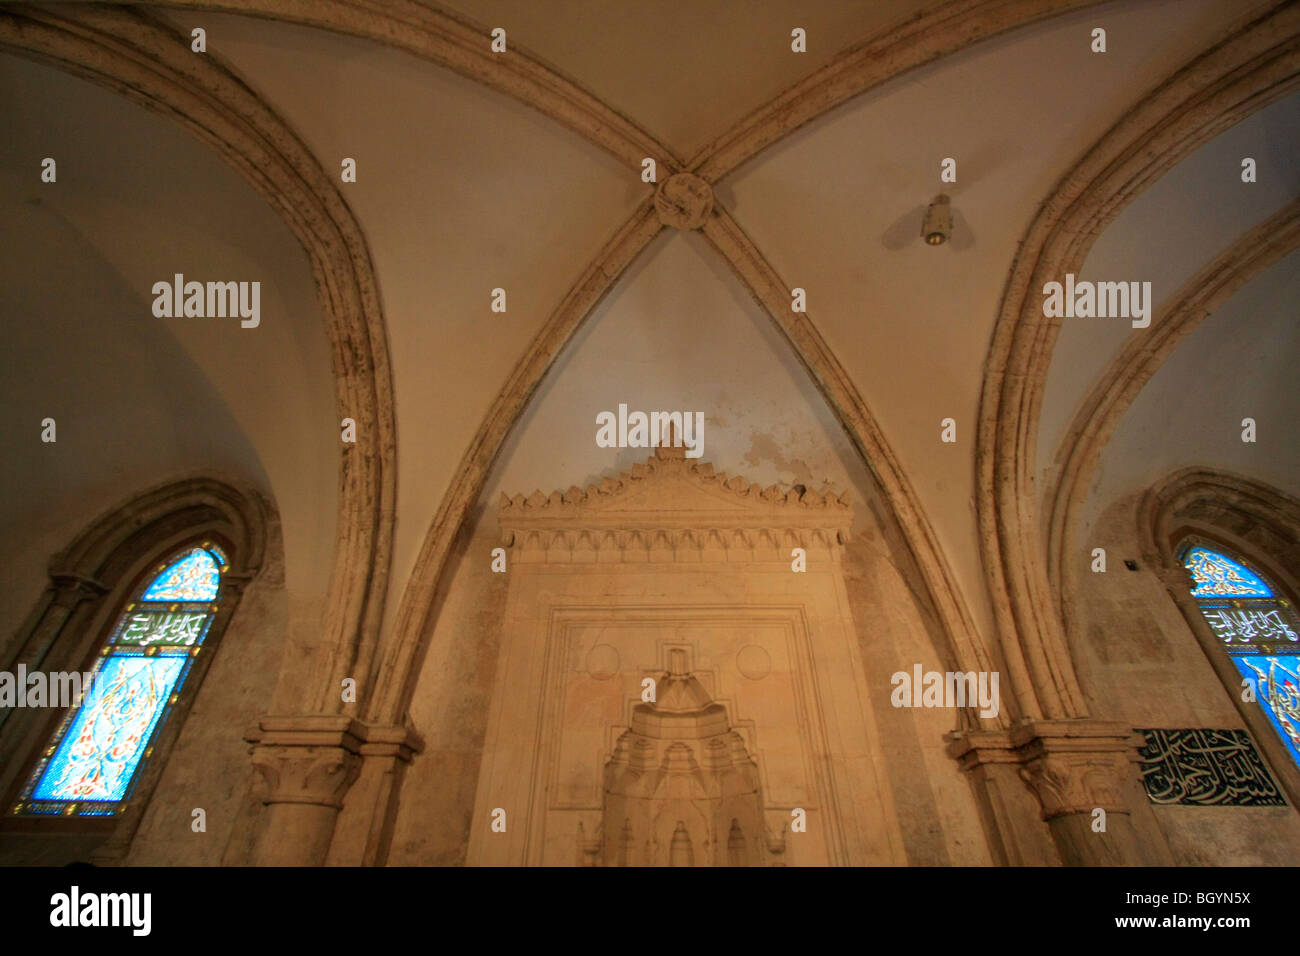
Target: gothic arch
{"type": "Point", "coordinates": [1256, 65]}
{"type": "Point", "coordinates": [89, 580]}
{"type": "Point", "coordinates": [861, 68]}
{"type": "Point", "coordinates": [1250, 519]}
{"type": "Point", "coordinates": [80, 41]}
{"type": "Point", "coordinates": [152, 65]}
{"type": "Point", "coordinates": [940, 31]}
{"type": "Point", "coordinates": [459, 45]}
{"type": "Point", "coordinates": [961, 644]}
{"type": "Point", "coordinates": [963, 648]}
{"type": "Point", "coordinates": [1140, 359]}
{"type": "Point", "coordinates": [454, 42]}
{"type": "Point", "coordinates": [1248, 516]}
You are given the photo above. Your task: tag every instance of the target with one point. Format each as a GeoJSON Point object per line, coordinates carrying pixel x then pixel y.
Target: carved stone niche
{"type": "Point", "coordinates": [676, 574]}
{"type": "Point", "coordinates": [681, 789]}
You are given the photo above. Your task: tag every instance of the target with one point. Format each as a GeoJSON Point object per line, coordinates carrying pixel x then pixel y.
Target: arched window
{"type": "Point", "coordinates": [1259, 630]}
{"type": "Point", "coordinates": [95, 758]}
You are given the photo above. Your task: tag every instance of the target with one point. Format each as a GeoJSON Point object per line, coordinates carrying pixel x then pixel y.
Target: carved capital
{"type": "Point", "coordinates": [1178, 581]}
{"type": "Point", "coordinates": [315, 775]}
{"type": "Point", "coordinates": [71, 589]}
{"type": "Point", "coordinates": [233, 583]}
{"type": "Point", "coordinates": [1077, 783]}
{"type": "Point", "coordinates": [315, 758]}
{"type": "Point", "coordinates": [1071, 766]}
{"type": "Point", "coordinates": [310, 758]}
{"type": "Point", "coordinates": [684, 201]}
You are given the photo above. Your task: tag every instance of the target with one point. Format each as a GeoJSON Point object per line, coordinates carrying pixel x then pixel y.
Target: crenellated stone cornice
{"type": "Point", "coordinates": [675, 509]}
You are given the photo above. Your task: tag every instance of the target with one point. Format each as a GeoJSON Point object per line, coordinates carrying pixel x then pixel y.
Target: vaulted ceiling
{"type": "Point", "coordinates": [463, 187]}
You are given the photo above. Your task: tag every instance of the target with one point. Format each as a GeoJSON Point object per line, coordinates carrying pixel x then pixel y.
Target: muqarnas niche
{"type": "Point", "coordinates": [680, 787]}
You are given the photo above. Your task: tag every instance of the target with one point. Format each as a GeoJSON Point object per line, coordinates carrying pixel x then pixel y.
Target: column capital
{"type": "Point", "coordinates": [70, 589]}
{"type": "Point", "coordinates": [1071, 766]}
{"type": "Point", "coordinates": [236, 581]}
{"type": "Point", "coordinates": [315, 758]}
{"type": "Point", "coordinates": [1176, 579]}
{"type": "Point", "coordinates": [335, 730]}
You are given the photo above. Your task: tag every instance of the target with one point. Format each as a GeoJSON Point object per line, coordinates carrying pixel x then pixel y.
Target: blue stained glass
{"type": "Point", "coordinates": [1277, 688]}
{"type": "Point", "coordinates": [98, 755]}
{"type": "Point", "coordinates": [193, 577]}
{"type": "Point", "coordinates": [1219, 576]}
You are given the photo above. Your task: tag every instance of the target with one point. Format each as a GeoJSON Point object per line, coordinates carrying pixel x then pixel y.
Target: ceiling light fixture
{"type": "Point", "coordinates": [936, 228]}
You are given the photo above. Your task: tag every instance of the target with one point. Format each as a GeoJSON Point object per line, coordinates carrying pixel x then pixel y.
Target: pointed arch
{"type": "Point", "coordinates": [1251, 522]}
{"type": "Point", "coordinates": [1141, 358]}
{"type": "Point", "coordinates": [150, 64]}
{"type": "Point", "coordinates": [960, 644]}
{"type": "Point", "coordinates": [92, 582]}
{"type": "Point", "coordinates": [1254, 66]}
{"type": "Point", "coordinates": [457, 43]}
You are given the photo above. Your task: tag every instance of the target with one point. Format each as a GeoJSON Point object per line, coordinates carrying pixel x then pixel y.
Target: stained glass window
{"type": "Point", "coordinates": [1217, 575]}
{"type": "Point", "coordinates": [95, 757]}
{"type": "Point", "coordinates": [1260, 632]}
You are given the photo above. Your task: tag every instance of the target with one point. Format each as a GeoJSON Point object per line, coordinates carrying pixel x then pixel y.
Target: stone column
{"type": "Point", "coordinates": [1073, 768]}
{"type": "Point", "coordinates": [1011, 816]}
{"type": "Point", "coordinates": [306, 764]}
{"type": "Point", "coordinates": [365, 826]}
{"type": "Point", "coordinates": [65, 597]}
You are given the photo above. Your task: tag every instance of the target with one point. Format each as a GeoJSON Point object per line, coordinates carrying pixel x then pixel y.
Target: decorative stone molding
{"type": "Point", "coordinates": [1072, 768]}
{"type": "Point", "coordinates": [328, 759]}
{"type": "Point", "coordinates": [314, 758]}
{"type": "Point", "coordinates": [316, 775]}
{"type": "Point", "coordinates": [622, 493]}
{"type": "Point", "coordinates": [553, 718]}
{"type": "Point", "coordinates": [683, 201]}
{"type": "Point", "coordinates": [1078, 781]}
{"type": "Point", "coordinates": [189, 506]}
{"type": "Point", "coordinates": [1249, 516]}
{"type": "Point", "coordinates": [673, 509]}
{"type": "Point", "coordinates": [596, 602]}
{"type": "Point", "coordinates": [1254, 66]}
{"type": "Point", "coordinates": [680, 787]}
